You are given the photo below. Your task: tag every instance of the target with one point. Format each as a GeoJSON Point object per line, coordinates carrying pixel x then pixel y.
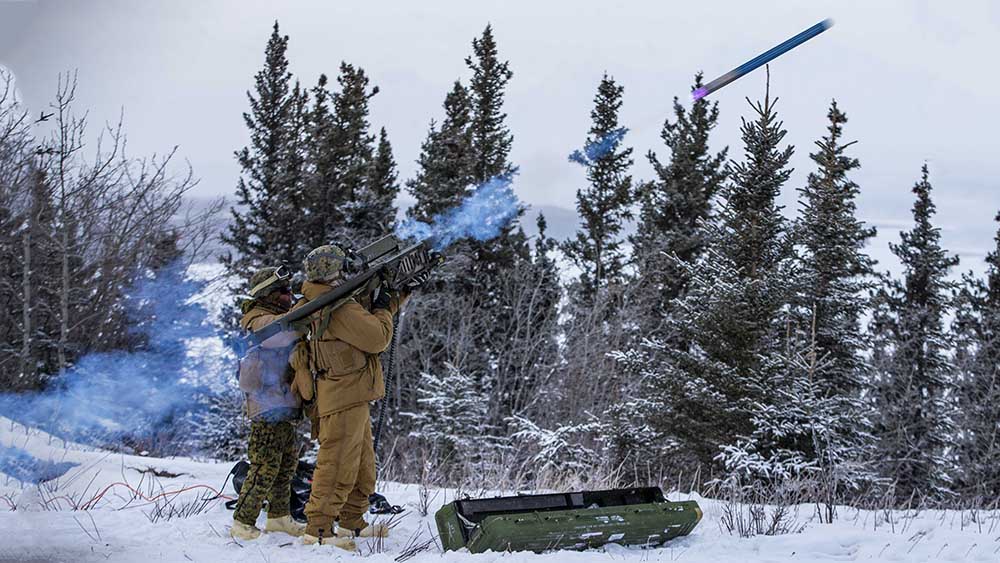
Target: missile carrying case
{"type": "Point", "coordinates": [576, 520]}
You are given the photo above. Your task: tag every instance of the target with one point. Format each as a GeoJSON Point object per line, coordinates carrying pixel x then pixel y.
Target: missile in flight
{"type": "Point", "coordinates": [762, 59]}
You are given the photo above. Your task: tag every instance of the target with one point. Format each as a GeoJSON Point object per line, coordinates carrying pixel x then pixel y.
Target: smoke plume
{"type": "Point", "coordinates": [482, 215]}
{"type": "Point", "coordinates": [125, 397]}
{"type": "Point", "coordinates": [597, 149]}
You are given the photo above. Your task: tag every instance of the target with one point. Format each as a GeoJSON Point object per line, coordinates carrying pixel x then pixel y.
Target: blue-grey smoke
{"type": "Point", "coordinates": [482, 215]}
{"type": "Point", "coordinates": [598, 148]}
{"type": "Point", "coordinates": [110, 397]}
{"type": "Point", "coordinates": [26, 468]}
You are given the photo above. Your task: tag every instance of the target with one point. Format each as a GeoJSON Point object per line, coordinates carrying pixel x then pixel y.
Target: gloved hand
{"type": "Point", "coordinates": [418, 281]}
{"type": "Point", "coordinates": [382, 298]}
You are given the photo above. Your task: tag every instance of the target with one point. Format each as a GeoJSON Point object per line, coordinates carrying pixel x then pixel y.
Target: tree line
{"type": "Point", "coordinates": [723, 336]}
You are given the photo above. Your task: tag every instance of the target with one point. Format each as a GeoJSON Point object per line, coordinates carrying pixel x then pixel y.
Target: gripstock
{"type": "Point", "coordinates": [389, 260]}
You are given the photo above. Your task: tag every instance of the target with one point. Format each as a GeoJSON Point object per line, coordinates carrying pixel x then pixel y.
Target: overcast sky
{"type": "Point", "coordinates": [916, 78]}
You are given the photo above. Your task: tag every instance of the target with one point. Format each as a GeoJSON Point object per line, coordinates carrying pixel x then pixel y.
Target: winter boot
{"type": "Point", "coordinates": [376, 530]}
{"type": "Point", "coordinates": [241, 531]}
{"type": "Point", "coordinates": [285, 524]}
{"type": "Point", "coordinates": [343, 543]}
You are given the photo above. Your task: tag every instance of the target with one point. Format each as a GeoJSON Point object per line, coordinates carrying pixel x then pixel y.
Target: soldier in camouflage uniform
{"type": "Point", "coordinates": [273, 404]}
{"type": "Point", "coordinates": [343, 356]}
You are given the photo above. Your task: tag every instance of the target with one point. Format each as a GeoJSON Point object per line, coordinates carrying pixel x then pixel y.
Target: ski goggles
{"type": "Point", "coordinates": [281, 274]}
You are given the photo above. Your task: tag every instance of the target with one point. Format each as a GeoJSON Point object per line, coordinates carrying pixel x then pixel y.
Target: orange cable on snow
{"type": "Point", "coordinates": [93, 502]}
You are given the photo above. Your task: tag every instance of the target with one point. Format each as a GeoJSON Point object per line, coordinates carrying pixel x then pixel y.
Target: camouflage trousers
{"type": "Point", "coordinates": [274, 456]}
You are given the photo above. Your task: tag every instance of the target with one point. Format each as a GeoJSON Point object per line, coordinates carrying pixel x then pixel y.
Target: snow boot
{"type": "Point", "coordinates": [376, 530]}
{"type": "Point", "coordinates": [285, 524]}
{"type": "Point", "coordinates": [241, 531]}
{"type": "Point", "coordinates": [343, 543]}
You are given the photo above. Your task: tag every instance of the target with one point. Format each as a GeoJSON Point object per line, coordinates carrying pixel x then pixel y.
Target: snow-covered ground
{"type": "Point", "coordinates": [102, 506]}
{"type": "Point", "coordinates": [38, 522]}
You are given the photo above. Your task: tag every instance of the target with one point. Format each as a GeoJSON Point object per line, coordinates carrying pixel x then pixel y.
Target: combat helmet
{"type": "Point", "coordinates": [324, 263]}
{"type": "Point", "coordinates": [269, 279]}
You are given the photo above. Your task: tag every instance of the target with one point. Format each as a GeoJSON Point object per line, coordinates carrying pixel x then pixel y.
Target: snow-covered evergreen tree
{"type": "Point", "coordinates": [977, 333]}
{"type": "Point", "coordinates": [339, 201]}
{"type": "Point", "coordinates": [490, 143]}
{"type": "Point", "coordinates": [605, 204]}
{"type": "Point", "coordinates": [718, 389]}
{"type": "Point", "coordinates": [437, 313]}
{"type": "Point", "coordinates": [383, 185]}
{"type": "Point", "coordinates": [834, 277]}
{"type": "Point", "coordinates": [271, 169]}
{"type": "Point", "coordinates": [673, 206]}
{"type": "Point", "coordinates": [500, 273]}
{"type": "Point", "coordinates": [491, 138]}
{"type": "Point", "coordinates": [915, 375]}
{"type": "Point", "coordinates": [444, 173]}
{"type": "Point", "coordinates": [453, 415]}
{"type": "Point", "coordinates": [672, 210]}
{"type": "Point", "coordinates": [40, 282]}
{"type": "Point", "coordinates": [11, 317]}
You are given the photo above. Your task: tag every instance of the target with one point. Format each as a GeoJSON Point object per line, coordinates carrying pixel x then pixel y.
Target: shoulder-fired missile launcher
{"type": "Point", "coordinates": [575, 520]}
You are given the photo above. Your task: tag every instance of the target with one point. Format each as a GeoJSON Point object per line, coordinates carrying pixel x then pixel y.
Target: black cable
{"type": "Point", "coordinates": [387, 377]}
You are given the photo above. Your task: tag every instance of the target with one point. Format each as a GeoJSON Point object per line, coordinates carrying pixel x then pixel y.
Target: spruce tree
{"type": "Point", "coordinates": [604, 205]}
{"type": "Point", "coordinates": [674, 205]}
{"type": "Point", "coordinates": [492, 262]}
{"type": "Point", "coordinates": [289, 220]}
{"type": "Point", "coordinates": [444, 172]}
{"type": "Point", "coordinates": [340, 199]}
{"type": "Point", "coordinates": [269, 182]}
{"type": "Point", "coordinates": [914, 427]}
{"type": "Point", "coordinates": [491, 139]}
{"type": "Point", "coordinates": [452, 416]}
{"type": "Point", "coordinates": [383, 186]}
{"type": "Point", "coordinates": [353, 144]}
{"type": "Point", "coordinates": [544, 246]}
{"type": "Point", "coordinates": [322, 167]}
{"type": "Point", "coordinates": [834, 276]}
{"type": "Point", "coordinates": [730, 318]}
{"type": "Point", "coordinates": [670, 237]}
{"type": "Point", "coordinates": [440, 311]}
{"type": "Point", "coordinates": [977, 333]}
{"type": "Point", "coordinates": [482, 321]}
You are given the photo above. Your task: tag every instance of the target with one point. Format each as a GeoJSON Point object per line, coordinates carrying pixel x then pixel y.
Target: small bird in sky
{"type": "Point", "coordinates": [42, 116]}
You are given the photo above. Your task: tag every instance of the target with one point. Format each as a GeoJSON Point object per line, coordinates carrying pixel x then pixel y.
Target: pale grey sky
{"type": "Point", "coordinates": [915, 77]}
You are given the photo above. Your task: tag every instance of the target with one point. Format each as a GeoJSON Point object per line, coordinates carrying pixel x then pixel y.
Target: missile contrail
{"type": "Point", "coordinates": [762, 59]}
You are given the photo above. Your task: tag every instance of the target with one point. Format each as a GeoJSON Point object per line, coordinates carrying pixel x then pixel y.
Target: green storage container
{"type": "Point", "coordinates": [576, 520]}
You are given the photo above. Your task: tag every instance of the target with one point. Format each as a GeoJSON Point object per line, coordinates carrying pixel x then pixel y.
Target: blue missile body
{"type": "Point", "coordinates": [762, 59]}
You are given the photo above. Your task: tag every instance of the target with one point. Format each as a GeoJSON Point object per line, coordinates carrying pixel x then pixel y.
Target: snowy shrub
{"type": "Point", "coordinates": [452, 416]}
{"type": "Point", "coordinates": [222, 430]}
{"type": "Point", "coordinates": [560, 449]}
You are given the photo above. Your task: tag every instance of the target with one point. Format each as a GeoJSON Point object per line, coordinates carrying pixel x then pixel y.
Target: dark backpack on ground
{"type": "Point", "coordinates": [301, 487]}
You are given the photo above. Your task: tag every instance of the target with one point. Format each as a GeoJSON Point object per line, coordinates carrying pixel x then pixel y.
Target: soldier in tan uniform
{"type": "Point", "coordinates": [273, 404]}
{"type": "Point", "coordinates": [343, 350]}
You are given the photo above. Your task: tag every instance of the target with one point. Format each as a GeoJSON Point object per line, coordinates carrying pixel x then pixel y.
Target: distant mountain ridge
{"type": "Point", "coordinates": [562, 222]}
